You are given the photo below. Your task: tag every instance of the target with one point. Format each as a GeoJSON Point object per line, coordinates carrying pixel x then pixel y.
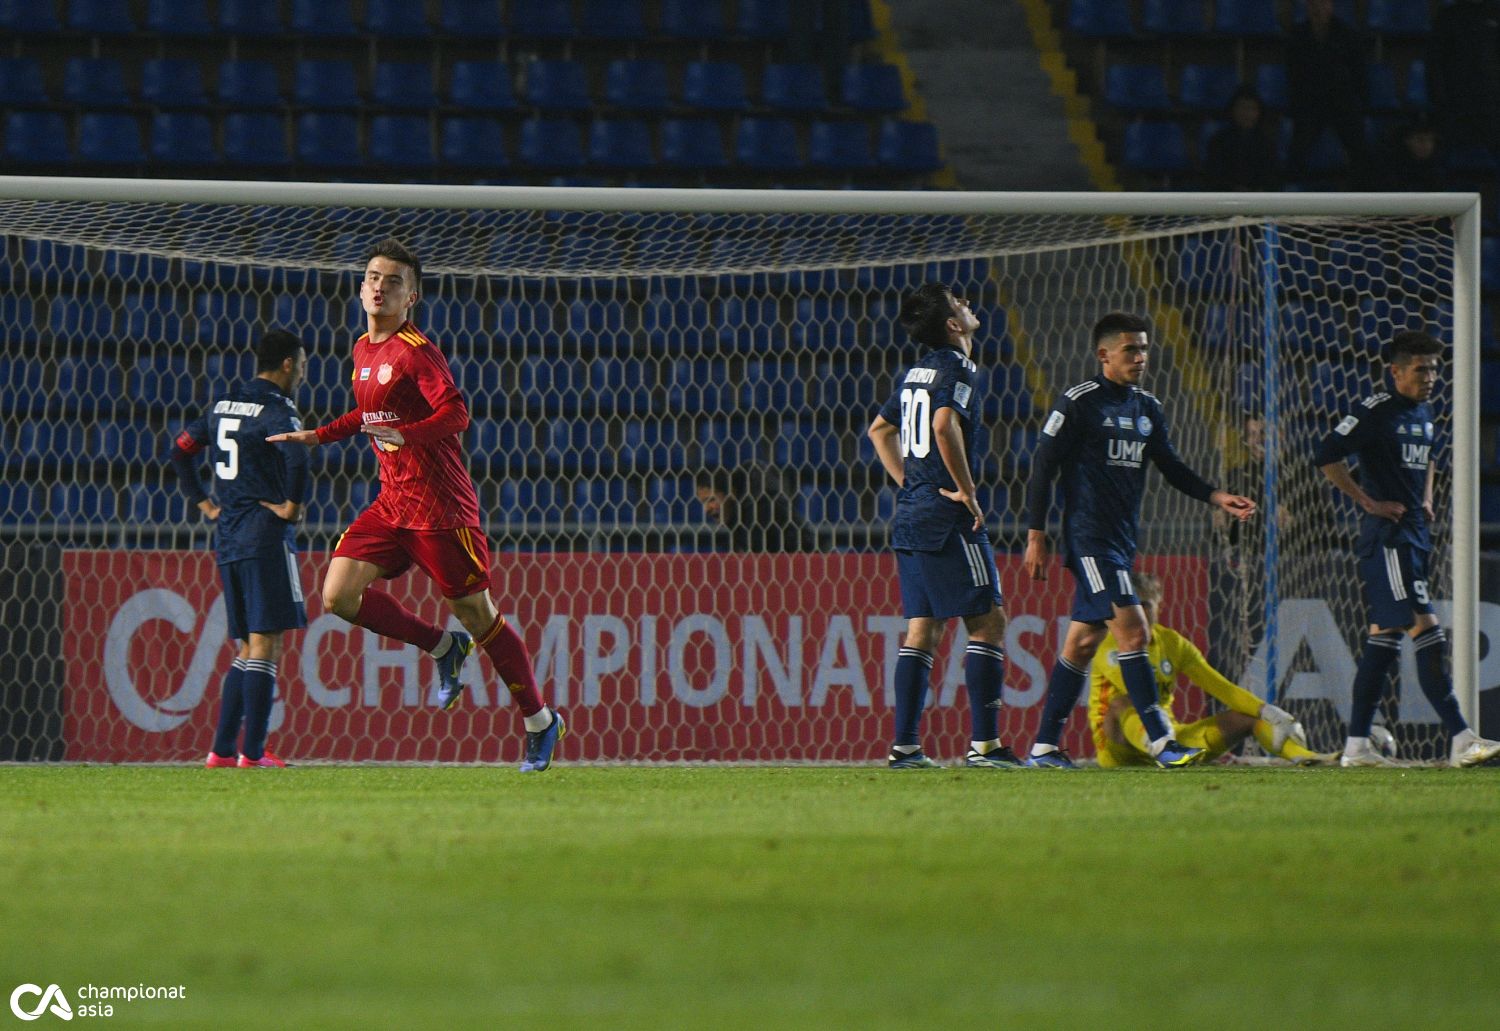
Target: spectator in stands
{"type": "Point", "coordinates": [1414, 162]}
{"type": "Point", "coordinates": [1327, 85]}
{"type": "Point", "coordinates": [1463, 72]}
{"type": "Point", "coordinates": [750, 504]}
{"type": "Point", "coordinates": [1242, 155]}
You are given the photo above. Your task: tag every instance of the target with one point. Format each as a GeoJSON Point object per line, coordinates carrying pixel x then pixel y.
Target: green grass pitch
{"type": "Point", "coordinates": [602, 898]}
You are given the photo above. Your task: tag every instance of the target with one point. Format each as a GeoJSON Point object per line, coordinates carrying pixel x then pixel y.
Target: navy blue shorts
{"type": "Point", "coordinates": [1395, 583]}
{"type": "Point", "coordinates": [959, 580]}
{"type": "Point", "coordinates": [1102, 584]}
{"type": "Point", "coordinates": [263, 595]}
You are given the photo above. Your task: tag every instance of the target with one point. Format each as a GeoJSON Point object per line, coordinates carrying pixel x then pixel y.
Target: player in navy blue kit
{"type": "Point", "coordinates": [1391, 436]}
{"type": "Point", "coordinates": [924, 436]}
{"type": "Point", "coordinates": [259, 490]}
{"type": "Point", "coordinates": [1100, 435]}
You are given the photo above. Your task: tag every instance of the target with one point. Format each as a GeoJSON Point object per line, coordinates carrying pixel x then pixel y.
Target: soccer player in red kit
{"type": "Point", "coordinates": [427, 512]}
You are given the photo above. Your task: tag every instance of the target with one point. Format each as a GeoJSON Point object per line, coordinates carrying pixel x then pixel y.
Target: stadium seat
{"type": "Point", "coordinates": [72, 319]}
{"type": "Point", "coordinates": [672, 500]}
{"type": "Point", "coordinates": [861, 21]}
{"type": "Point", "coordinates": [551, 143]}
{"type": "Point", "coordinates": [36, 138]}
{"type": "Point", "coordinates": [1099, 18]}
{"type": "Point", "coordinates": [255, 138]}
{"type": "Point", "coordinates": [793, 87]}
{"type": "Point", "coordinates": [763, 19]}
{"type": "Point", "coordinates": [771, 387]}
{"type": "Point", "coordinates": [1156, 147]}
{"type": "Point", "coordinates": [482, 86]}
{"type": "Point", "coordinates": [1207, 87]}
{"type": "Point", "coordinates": [619, 384]}
{"type": "Point", "coordinates": [23, 384]}
{"type": "Point", "coordinates": [636, 85]}
{"type": "Point", "coordinates": [178, 18]}
{"type": "Point", "coordinates": [557, 86]}
{"type": "Point", "coordinates": [328, 139]}
{"type": "Point", "coordinates": [396, 19]}
{"type": "Point", "coordinates": [250, 18]}
{"type": "Point", "coordinates": [1174, 17]}
{"type": "Point", "coordinates": [767, 143]}
{"type": "Point", "coordinates": [620, 143]}
{"type": "Point", "coordinates": [1136, 87]}
{"type": "Point", "coordinates": [471, 19]}
{"type": "Point", "coordinates": [1416, 85]}
{"type": "Point", "coordinates": [806, 445]}
{"type": "Point", "coordinates": [401, 141]}
{"type": "Point", "coordinates": [713, 85]}
{"type": "Point", "coordinates": [612, 19]}
{"type": "Point", "coordinates": [83, 503]}
{"type": "Point", "coordinates": [24, 17]}
{"type": "Point", "coordinates": [182, 138]}
{"type": "Point", "coordinates": [541, 19]}
{"type": "Point", "coordinates": [110, 139]}
{"type": "Point", "coordinates": [472, 142]}
{"type": "Point", "coordinates": [839, 145]}
{"type": "Point", "coordinates": [249, 84]}
{"type": "Point", "coordinates": [1271, 86]}
{"type": "Point", "coordinates": [94, 82]}
{"type": "Point", "coordinates": [908, 146]}
{"type": "Point", "coordinates": [403, 86]}
{"type": "Point", "coordinates": [90, 382]}
{"type": "Point", "coordinates": [325, 85]}
{"type": "Point", "coordinates": [1246, 18]}
{"type": "Point", "coordinates": [169, 82]}
{"type": "Point", "coordinates": [101, 17]}
{"type": "Point", "coordinates": [21, 82]}
{"type": "Point", "coordinates": [167, 381]}
{"type": "Point", "coordinates": [692, 19]}
{"type": "Point", "coordinates": [1399, 17]}
{"type": "Point", "coordinates": [874, 87]}
{"type": "Point", "coordinates": [326, 19]}
{"type": "Point", "coordinates": [696, 143]}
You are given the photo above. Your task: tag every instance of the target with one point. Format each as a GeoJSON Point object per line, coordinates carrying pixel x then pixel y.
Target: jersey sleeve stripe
{"type": "Point", "coordinates": [1075, 392]}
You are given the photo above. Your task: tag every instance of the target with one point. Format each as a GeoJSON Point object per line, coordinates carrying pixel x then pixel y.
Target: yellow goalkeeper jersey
{"type": "Point", "coordinates": [1171, 656]}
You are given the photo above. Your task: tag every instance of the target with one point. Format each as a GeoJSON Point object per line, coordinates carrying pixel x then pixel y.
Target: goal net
{"type": "Point", "coordinates": [669, 393]}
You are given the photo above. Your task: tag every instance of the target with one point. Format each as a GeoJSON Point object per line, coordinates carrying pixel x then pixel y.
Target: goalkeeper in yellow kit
{"type": "Point", "coordinates": [1119, 737]}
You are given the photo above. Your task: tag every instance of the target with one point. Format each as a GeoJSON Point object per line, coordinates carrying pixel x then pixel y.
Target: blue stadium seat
{"type": "Point", "coordinates": [20, 504]}
{"type": "Point", "coordinates": [1271, 86]}
{"type": "Point", "coordinates": [861, 21]}
{"type": "Point", "coordinates": [23, 384]}
{"type": "Point", "coordinates": [83, 503]}
{"type": "Point", "coordinates": [1246, 18]}
{"type": "Point", "coordinates": [672, 500]}
{"type": "Point", "coordinates": [21, 83]}
{"type": "Point", "coordinates": [551, 143]}
{"type": "Point", "coordinates": [36, 138]}
{"type": "Point", "coordinates": [327, 19]}
{"type": "Point", "coordinates": [604, 501]}
{"type": "Point", "coordinates": [110, 139]}
{"type": "Point", "coordinates": [329, 139]}
{"type": "Point", "coordinates": [1174, 17]}
{"type": "Point", "coordinates": [255, 138]}
{"type": "Point", "coordinates": [1099, 18]}
{"type": "Point", "coordinates": [767, 143]}
{"type": "Point", "coordinates": [227, 322]}
{"type": "Point", "coordinates": [182, 138]}
{"type": "Point", "coordinates": [471, 19]}
{"type": "Point", "coordinates": [806, 445]}
{"type": "Point", "coordinates": [171, 82]}
{"type": "Point", "coordinates": [167, 381]}
{"type": "Point", "coordinates": [713, 85]}
{"type": "Point", "coordinates": [650, 445]}
{"type": "Point", "coordinates": [396, 19]}
{"type": "Point", "coordinates": [874, 87]}
{"type": "Point", "coordinates": [793, 87]}
{"type": "Point", "coordinates": [325, 85]}
{"type": "Point", "coordinates": [909, 146]}
{"type": "Point", "coordinates": [178, 18]}
{"type": "Point", "coordinates": [612, 19]}
{"type": "Point", "coordinates": [401, 141]}
{"type": "Point", "coordinates": [250, 18]}
{"type": "Point", "coordinates": [557, 86]}
{"type": "Point", "coordinates": [620, 143]}
{"type": "Point", "coordinates": [763, 19]}
{"type": "Point", "coordinates": [1156, 147]}
{"type": "Point", "coordinates": [403, 86]}
{"type": "Point", "coordinates": [541, 19]}
{"type": "Point", "coordinates": [692, 143]}
{"type": "Point", "coordinates": [90, 382]}
{"type": "Point", "coordinates": [249, 84]}
{"type": "Point", "coordinates": [1207, 87]}
{"type": "Point", "coordinates": [473, 142]}
{"type": "Point", "coordinates": [482, 86]}
{"type": "Point", "coordinates": [1382, 88]}
{"type": "Point", "coordinates": [1416, 85]}
{"type": "Point", "coordinates": [839, 145]}
{"type": "Point", "coordinates": [28, 17]}
{"type": "Point", "coordinates": [692, 19]}
{"type": "Point", "coordinates": [620, 384]}
{"type": "Point", "coordinates": [156, 505]}
{"type": "Point", "coordinates": [636, 85]}
{"type": "Point", "coordinates": [1136, 87]}
{"type": "Point", "coordinates": [772, 387]}
{"type": "Point", "coordinates": [822, 504]}
{"type": "Point", "coordinates": [101, 17]}
{"type": "Point", "coordinates": [1399, 17]}
{"type": "Point", "coordinates": [94, 82]}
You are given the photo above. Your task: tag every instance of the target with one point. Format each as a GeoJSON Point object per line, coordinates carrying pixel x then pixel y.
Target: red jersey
{"type": "Point", "coordinates": [405, 382]}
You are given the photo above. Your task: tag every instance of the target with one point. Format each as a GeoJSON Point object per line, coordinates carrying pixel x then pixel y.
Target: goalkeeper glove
{"type": "Point", "coordinates": [1284, 727]}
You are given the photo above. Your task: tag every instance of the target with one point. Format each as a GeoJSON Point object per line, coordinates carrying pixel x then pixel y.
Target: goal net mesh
{"type": "Point", "coordinates": [626, 374]}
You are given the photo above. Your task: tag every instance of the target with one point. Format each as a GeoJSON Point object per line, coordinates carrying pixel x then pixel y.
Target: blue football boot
{"type": "Point", "coordinates": [449, 689]}
{"type": "Point", "coordinates": [1174, 756]}
{"type": "Point", "coordinates": [1001, 758]}
{"type": "Point", "coordinates": [541, 746]}
{"type": "Point", "coordinates": [910, 761]}
{"type": "Point", "coordinates": [1054, 760]}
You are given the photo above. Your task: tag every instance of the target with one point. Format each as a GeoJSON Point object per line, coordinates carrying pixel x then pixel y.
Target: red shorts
{"type": "Point", "coordinates": [458, 560]}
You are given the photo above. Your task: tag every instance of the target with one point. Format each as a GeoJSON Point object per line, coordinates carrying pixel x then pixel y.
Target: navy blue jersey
{"type": "Point", "coordinates": [247, 470]}
{"type": "Point", "coordinates": [941, 379]}
{"type": "Point", "coordinates": [1392, 438]}
{"type": "Point", "coordinates": [1099, 436]}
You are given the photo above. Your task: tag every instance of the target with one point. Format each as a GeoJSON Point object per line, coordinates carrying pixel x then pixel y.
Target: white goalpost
{"type": "Point", "coordinates": [628, 353]}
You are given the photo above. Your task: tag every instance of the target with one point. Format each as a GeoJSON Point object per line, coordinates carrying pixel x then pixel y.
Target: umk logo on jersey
{"type": "Point", "coordinates": [1126, 452]}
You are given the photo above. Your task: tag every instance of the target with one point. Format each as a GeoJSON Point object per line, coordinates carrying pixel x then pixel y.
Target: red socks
{"type": "Point", "coordinates": [383, 614]}
{"type": "Point", "coordinates": [512, 662]}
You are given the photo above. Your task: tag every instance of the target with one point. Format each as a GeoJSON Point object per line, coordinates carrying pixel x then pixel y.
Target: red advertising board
{"type": "Point", "coordinates": [652, 657]}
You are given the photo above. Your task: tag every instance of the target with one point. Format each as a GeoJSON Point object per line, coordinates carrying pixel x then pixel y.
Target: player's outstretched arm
{"type": "Point", "coordinates": [1339, 475]}
{"type": "Point", "coordinates": [308, 437]}
{"type": "Point", "coordinates": [950, 441]}
{"type": "Point", "coordinates": [1242, 508]}
{"type": "Point", "coordinates": [886, 439]}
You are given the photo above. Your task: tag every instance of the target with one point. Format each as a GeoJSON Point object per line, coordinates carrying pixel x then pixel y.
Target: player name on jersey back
{"type": "Point", "coordinates": [245, 408]}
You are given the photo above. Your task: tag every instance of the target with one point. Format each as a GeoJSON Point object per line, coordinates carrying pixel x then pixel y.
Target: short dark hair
{"type": "Point", "coordinates": [1117, 322]}
{"type": "Point", "coordinates": [274, 348]}
{"type": "Point", "coordinates": [1409, 344]}
{"type": "Point", "coordinates": [395, 250]}
{"type": "Point", "coordinates": [925, 312]}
